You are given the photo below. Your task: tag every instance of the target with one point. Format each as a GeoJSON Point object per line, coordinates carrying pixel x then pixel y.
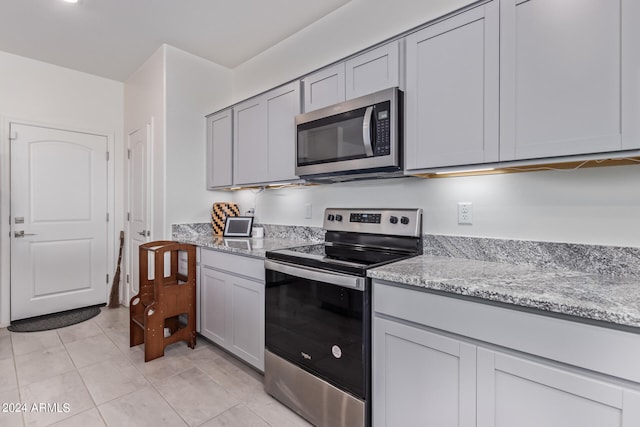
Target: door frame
{"type": "Point", "coordinates": [127, 293]}
{"type": "Point", "coordinates": [5, 205]}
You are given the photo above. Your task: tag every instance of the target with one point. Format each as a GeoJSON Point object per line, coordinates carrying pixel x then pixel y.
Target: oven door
{"type": "Point", "coordinates": [320, 321]}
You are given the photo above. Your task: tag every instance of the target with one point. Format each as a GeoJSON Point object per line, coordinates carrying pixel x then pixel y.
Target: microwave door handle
{"type": "Point", "coordinates": [366, 131]}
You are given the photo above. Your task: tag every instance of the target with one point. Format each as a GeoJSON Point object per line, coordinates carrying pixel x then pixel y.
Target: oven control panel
{"type": "Point", "coordinates": [365, 218]}
{"type": "Point", "coordinates": [396, 222]}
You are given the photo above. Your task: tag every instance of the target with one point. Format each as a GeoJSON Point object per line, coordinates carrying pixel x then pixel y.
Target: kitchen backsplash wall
{"type": "Point", "coordinates": [598, 206]}
{"type": "Point", "coordinates": [606, 260]}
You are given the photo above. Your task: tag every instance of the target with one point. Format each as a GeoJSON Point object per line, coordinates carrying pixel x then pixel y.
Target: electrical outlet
{"type": "Point", "coordinates": [307, 211]}
{"type": "Point", "coordinates": [465, 213]}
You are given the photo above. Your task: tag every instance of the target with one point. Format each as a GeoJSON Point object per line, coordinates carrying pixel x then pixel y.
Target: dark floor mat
{"type": "Point", "coordinates": [55, 320]}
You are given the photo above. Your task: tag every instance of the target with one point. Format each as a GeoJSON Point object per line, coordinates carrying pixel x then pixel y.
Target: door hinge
{"type": "Point", "coordinates": [127, 278]}
{"type": "Point", "coordinates": [13, 135]}
{"type": "Point", "coordinates": [128, 154]}
{"type": "Point", "coordinates": [107, 216]}
{"type": "Point", "coordinates": [107, 278]}
{"type": "Point", "coordinates": [107, 156]}
{"type": "Point", "coordinates": [128, 216]}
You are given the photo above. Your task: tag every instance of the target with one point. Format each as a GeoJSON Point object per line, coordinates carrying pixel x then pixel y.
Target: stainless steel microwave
{"type": "Point", "coordinates": [359, 138]}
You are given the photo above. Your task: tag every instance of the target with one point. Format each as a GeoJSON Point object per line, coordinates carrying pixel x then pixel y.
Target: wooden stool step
{"type": "Point", "coordinates": [166, 301]}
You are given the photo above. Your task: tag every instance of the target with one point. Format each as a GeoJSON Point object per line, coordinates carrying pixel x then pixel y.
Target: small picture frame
{"type": "Point", "coordinates": [238, 226]}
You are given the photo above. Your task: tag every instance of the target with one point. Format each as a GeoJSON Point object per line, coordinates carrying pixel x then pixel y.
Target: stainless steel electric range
{"type": "Point", "coordinates": [318, 313]}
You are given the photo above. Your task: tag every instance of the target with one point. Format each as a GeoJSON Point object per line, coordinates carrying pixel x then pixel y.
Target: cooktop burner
{"type": "Point", "coordinates": [358, 239]}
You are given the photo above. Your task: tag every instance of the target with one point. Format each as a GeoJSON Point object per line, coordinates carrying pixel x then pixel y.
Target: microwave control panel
{"type": "Point", "coordinates": [383, 129]}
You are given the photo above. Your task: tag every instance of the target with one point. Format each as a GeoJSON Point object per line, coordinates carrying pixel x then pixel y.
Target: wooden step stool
{"type": "Point", "coordinates": [164, 301]}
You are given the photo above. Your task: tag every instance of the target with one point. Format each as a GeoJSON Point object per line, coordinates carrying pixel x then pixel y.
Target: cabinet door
{"type": "Point", "coordinates": [246, 311]}
{"type": "Point", "coordinates": [213, 305]}
{"type": "Point", "coordinates": [219, 149]}
{"type": "Point", "coordinates": [250, 142]}
{"type": "Point", "coordinates": [421, 378]}
{"type": "Point", "coordinates": [453, 91]}
{"type": "Point", "coordinates": [282, 105]}
{"type": "Point", "coordinates": [373, 71]}
{"type": "Point", "coordinates": [324, 88]}
{"type": "Point", "coordinates": [565, 68]}
{"type": "Point", "coordinates": [516, 391]}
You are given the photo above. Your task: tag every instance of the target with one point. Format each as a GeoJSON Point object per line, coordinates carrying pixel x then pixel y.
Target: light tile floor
{"type": "Point", "coordinates": [87, 375]}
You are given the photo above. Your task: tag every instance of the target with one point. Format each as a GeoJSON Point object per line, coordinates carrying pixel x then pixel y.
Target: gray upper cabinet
{"type": "Point", "coordinates": [264, 136]}
{"type": "Point", "coordinates": [452, 91]}
{"type": "Point", "coordinates": [219, 149]}
{"type": "Point", "coordinates": [324, 87]}
{"type": "Point", "coordinates": [249, 142]}
{"type": "Point", "coordinates": [374, 70]}
{"type": "Point", "coordinates": [282, 105]}
{"type": "Point", "coordinates": [569, 77]}
{"type": "Point", "coordinates": [369, 72]}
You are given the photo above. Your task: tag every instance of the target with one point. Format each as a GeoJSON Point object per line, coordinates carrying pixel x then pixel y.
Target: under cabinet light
{"type": "Point", "coordinates": [71, 1]}
{"type": "Point", "coordinates": [464, 171]}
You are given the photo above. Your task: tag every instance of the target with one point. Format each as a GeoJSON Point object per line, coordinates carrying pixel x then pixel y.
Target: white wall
{"type": "Point", "coordinates": [195, 87]}
{"type": "Point", "coordinates": [589, 206]}
{"type": "Point", "coordinates": [356, 26]}
{"type": "Point", "coordinates": [45, 94]}
{"type": "Point", "coordinates": [143, 105]}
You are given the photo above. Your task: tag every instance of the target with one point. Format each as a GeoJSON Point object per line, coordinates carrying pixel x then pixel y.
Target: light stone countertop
{"type": "Point", "coordinates": [251, 247]}
{"type": "Point", "coordinates": [613, 299]}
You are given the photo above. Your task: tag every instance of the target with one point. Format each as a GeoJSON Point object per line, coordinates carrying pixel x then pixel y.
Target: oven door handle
{"type": "Point", "coordinates": [333, 278]}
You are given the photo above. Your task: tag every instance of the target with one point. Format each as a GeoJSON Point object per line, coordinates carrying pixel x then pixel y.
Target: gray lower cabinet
{"type": "Point", "coordinates": [232, 304]}
{"type": "Point", "coordinates": [421, 378]}
{"type": "Point", "coordinates": [443, 361]}
{"type": "Point", "coordinates": [520, 391]}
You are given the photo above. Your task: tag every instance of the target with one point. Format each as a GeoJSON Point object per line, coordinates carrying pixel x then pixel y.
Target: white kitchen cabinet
{"type": "Point", "coordinates": [282, 105]}
{"type": "Point", "coordinates": [452, 91]}
{"type": "Point", "coordinates": [325, 87]}
{"type": "Point", "coordinates": [220, 149]}
{"type": "Point", "coordinates": [421, 378]}
{"type": "Point", "coordinates": [568, 77]}
{"type": "Point", "coordinates": [264, 136]}
{"type": "Point", "coordinates": [517, 368]}
{"type": "Point", "coordinates": [371, 71]}
{"type": "Point", "coordinates": [514, 390]}
{"type": "Point", "coordinates": [232, 304]}
{"type": "Point", "coordinates": [249, 142]}
{"type": "Point", "coordinates": [377, 69]}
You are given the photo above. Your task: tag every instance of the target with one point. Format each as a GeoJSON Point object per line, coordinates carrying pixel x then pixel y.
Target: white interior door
{"type": "Point", "coordinates": [138, 213]}
{"type": "Point", "coordinates": [58, 220]}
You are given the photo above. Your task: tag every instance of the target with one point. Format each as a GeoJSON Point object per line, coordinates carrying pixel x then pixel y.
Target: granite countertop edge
{"type": "Point", "coordinates": [609, 299]}
{"type": "Point", "coordinates": [250, 247]}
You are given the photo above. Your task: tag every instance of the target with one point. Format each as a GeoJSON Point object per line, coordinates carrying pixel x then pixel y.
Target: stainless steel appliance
{"type": "Point", "coordinates": [318, 313]}
{"type": "Point", "coordinates": [354, 139]}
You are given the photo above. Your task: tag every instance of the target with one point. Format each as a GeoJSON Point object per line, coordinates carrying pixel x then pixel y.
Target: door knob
{"type": "Point", "coordinates": [144, 233]}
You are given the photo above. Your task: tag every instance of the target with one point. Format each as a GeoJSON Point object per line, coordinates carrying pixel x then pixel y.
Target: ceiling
{"type": "Point", "coordinates": [112, 38]}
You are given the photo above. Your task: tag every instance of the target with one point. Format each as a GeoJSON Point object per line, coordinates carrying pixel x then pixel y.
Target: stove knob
{"type": "Point", "coordinates": [338, 217]}
{"type": "Point", "coordinates": [404, 220]}
{"type": "Point", "coordinates": [330, 217]}
{"type": "Point", "coordinates": [393, 220]}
